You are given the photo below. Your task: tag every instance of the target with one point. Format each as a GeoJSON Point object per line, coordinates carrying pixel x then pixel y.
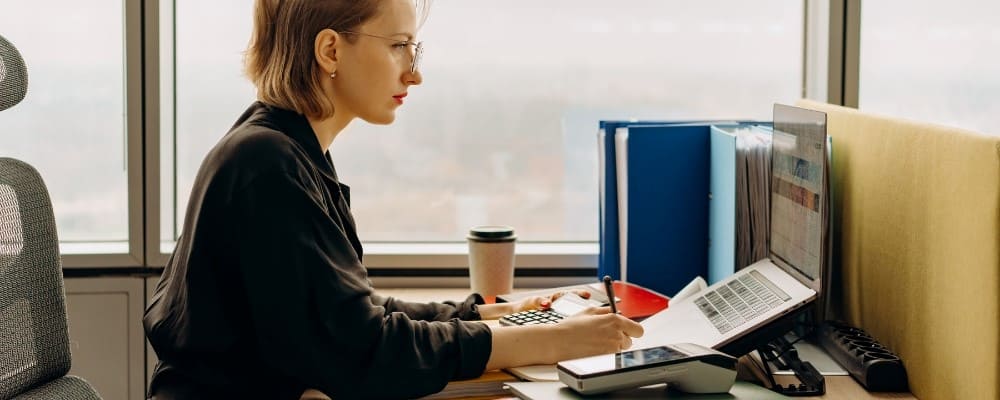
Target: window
{"type": "Point", "coordinates": [932, 63]}
{"type": "Point", "coordinates": [503, 130]}
{"type": "Point", "coordinates": [73, 124]}
{"type": "Point", "coordinates": [203, 91]}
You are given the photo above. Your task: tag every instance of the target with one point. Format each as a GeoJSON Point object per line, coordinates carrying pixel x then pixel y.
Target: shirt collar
{"type": "Point", "coordinates": [297, 127]}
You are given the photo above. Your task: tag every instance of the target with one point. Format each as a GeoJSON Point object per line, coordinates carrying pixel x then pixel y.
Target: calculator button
{"type": "Point", "coordinates": [533, 317]}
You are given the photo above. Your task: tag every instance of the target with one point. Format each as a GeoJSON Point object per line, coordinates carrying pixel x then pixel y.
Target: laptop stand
{"type": "Point", "coordinates": [781, 352]}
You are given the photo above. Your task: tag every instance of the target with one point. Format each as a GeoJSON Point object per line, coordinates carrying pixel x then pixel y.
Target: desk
{"type": "Point", "coordinates": [837, 387]}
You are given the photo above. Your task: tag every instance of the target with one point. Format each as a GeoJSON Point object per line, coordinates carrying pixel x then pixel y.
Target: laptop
{"type": "Point", "coordinates": [761, 302]}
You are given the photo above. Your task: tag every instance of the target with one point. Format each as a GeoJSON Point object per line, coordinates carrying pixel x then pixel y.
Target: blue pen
{"type": "Point", "coordinates": [611, 294]}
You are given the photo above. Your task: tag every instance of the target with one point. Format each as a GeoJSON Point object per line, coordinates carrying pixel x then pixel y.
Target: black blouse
{"type": "Point", "coordinates": [266, 295]}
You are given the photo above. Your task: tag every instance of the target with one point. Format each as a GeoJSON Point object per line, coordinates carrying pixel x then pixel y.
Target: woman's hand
{"type": "Point", "coordinates": [544, 302]}
{"type": "Point", "coordinates": [579, 336]}
{"type": "Point", "coordinates": [495, 311]}
{"type": "Point", "coordinates": [599, 333]}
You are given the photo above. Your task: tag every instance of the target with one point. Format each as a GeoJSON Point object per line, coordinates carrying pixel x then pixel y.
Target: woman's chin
{"type": "Point", "coordinates": [380, 118]}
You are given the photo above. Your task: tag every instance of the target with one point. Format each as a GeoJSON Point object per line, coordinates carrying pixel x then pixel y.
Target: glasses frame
{"type": "Point", "coordinates": [418, 47]}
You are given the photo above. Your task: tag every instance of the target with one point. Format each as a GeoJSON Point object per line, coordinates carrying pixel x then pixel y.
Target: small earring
{"type": "Point", "coordinates": [333, 75]}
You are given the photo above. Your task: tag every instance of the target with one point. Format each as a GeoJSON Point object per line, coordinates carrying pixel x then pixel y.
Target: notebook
{"type": "Point", "coordinates": [731, 314]}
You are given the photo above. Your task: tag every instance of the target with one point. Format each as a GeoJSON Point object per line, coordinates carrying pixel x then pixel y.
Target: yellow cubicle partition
{"type": "Point", "coordinates": [918, 243]}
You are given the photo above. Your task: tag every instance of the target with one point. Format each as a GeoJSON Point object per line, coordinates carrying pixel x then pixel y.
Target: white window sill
{"type": "Point", "coordinates": [377, 255]}
{"type": "Point", "coordinates": [455, 255]}
{"type": "Point", "coordinates": [92, 248]}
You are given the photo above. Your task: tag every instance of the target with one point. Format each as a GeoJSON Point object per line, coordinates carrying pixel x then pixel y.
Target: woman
{"type": "Point", "coordinates": [265, 295]}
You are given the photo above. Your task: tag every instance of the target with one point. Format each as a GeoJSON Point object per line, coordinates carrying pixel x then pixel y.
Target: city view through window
{"type": "Point", "coordinates": [503, 130]}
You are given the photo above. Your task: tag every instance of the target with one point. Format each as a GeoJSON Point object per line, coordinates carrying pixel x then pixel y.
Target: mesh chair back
{"type": "Point", "coordinates": [13, 76]}
{"type": "Point", "coordinates": [34, 343]}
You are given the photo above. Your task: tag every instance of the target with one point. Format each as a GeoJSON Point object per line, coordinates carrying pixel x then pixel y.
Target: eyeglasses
{"type": "Point", "coordinates": [416, 54]}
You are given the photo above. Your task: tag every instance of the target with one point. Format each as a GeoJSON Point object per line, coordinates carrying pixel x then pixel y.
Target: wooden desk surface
{"type": "Point", "coordinates": [837, 387]}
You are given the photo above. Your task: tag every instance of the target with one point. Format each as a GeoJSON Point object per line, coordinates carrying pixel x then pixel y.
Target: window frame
{"type": "Point", "coordinates": [83, 255]}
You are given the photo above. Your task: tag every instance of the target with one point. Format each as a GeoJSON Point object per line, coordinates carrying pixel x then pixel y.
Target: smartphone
{"type": "Point", "coordinates": [567, 305]}
{"type": "Point", "coordinates": [685, 366]}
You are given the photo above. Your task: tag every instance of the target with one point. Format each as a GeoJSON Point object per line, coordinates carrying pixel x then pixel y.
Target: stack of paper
{"type": "Point", "coordinates": [755, 201]}
{"type": "Point", "coordinates": [490, 383]}
{"type": "Point", "coordinates": [740, 209]}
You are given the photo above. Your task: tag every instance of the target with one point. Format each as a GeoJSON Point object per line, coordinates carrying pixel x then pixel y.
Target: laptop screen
{"type": "Point", "coordinates": [798, 193]}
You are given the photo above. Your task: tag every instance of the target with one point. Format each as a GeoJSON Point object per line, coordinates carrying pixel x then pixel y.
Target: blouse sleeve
{"type": "Point", "coordinates": [467, 310]}
{"type": "Point", "coordinates": [312, 311]}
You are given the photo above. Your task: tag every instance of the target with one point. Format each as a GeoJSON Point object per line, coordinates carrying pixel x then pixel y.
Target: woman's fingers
{"type": "Point", "coordinates": [538, 302]}
{"type": "Point", "coordinates": [626, 342]}
{"type": "Point", "coordinates": [596, 311]}
{"type": "Point", "coordinates": [630, 327]}
{"type": "Point", "coordinates": [544, 303]}
{"type": "Point", "coordinates": [579, 292]}
{"type": "Point", "coordinates": [605, 333]}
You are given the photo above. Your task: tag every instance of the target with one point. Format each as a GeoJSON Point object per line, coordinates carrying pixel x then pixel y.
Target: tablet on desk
{"type": "Point", "coordinates": [685, 366]}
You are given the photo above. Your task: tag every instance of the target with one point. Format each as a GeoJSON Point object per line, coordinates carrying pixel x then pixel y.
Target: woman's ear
{"type": "Point", "coordinates": [325, 50]}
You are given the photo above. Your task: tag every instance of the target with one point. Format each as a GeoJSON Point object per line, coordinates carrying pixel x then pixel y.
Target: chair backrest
{"type": "Point", "coordinates": [34, 340]}
{"type": "Point", "coordinates": [13, 76]}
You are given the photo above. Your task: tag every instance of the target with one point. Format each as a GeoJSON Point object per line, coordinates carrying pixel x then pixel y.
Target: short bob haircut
{"type": "Point", "coordinates": [280, 60]}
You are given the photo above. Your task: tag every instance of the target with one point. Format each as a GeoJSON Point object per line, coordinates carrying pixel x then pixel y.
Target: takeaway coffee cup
{"type": "Point", "coordinates": [491, 260]}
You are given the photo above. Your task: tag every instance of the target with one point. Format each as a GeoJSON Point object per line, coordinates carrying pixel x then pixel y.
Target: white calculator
{"type": "Point", "coordinates": [566, 305]}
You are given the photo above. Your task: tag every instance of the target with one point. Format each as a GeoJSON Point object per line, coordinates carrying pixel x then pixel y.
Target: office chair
{"type": "Point", "coordinates": [34, 340]}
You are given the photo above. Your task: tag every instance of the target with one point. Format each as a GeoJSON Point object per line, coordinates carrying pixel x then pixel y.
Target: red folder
{"type": "Point", "coordinates": [637, 302]}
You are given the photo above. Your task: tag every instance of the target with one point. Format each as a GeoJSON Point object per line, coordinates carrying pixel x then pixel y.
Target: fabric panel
{"type": "Point", "coordinates": [917, 206]}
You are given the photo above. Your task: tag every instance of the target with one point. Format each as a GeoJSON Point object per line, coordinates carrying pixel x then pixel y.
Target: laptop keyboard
{"type": "Point", "coordinates": [740, 300]}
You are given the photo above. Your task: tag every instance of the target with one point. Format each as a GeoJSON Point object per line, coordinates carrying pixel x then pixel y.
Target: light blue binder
{"type": "Point", "coordinates": [722, 205]}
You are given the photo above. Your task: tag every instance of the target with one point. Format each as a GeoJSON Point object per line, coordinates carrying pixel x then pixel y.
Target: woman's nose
{"type": "Point", "coordinates": [413, 78]}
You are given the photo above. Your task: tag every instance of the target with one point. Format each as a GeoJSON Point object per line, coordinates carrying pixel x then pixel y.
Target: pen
{"type": "Point", "coordinates": [611, 294]}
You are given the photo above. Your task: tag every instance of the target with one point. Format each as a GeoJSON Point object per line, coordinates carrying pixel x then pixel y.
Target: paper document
{"type": "Point", "coordinates": [696, 285]}
{"type": "Point", "coordinates": [536, 373]}
{"type": "Point", "coordinates": [621, 161]}
{"type": "Point", "coordinates": [754, 176]}
{"type": "Point", "coordinates": [661, 321]}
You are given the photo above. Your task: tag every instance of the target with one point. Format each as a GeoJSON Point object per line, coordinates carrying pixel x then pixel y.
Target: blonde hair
{"type": "Point", "coordinates": [280, 60]}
